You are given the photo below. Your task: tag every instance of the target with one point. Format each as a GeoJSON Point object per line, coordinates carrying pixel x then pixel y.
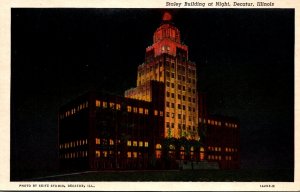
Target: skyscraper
{"type": "Point", "coordinates": [167, 61]}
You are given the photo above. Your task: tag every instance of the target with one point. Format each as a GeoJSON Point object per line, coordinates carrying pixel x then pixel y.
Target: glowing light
{"type": "Point", "coordinates": [167, 16]}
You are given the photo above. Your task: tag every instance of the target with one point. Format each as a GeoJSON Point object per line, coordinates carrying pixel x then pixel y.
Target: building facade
{"type": "Point", "coordinates": [162, 123]}
{"type": "Point", "coordinates": [167, 61]}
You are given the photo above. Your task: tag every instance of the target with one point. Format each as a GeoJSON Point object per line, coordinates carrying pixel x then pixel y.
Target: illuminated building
{"type": "Point", "coordinates": [162, 123]}
{"type": "Point", "coordinates": [167, 61]}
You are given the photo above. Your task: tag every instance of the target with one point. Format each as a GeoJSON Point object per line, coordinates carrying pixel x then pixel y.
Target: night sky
{"type": "Point", "coordinates": [244, 58]}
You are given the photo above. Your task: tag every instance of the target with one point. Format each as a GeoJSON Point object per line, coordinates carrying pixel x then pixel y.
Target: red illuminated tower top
{"type": "Point", "coordinates": [166, 38]}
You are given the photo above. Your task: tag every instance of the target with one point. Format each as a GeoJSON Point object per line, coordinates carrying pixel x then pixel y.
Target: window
{"type": "Point", "coordinates": [155, 112]}
{"type": "Point", "coordinates": [172, 85]}
{"type": "Point", "coordinates": [179, 116]}
{"type": "Point", "coordinates": [168, 104]}
{"type": "Point", "coordinates": [172, 95]}
{"type": "Point", "coordinates": [146, 144]}
{"type": "Point", "coordinates": [173, 75]}
{"type": "Point", "coordinates": [97, 141]}
{"type": "Point", "coordinates": [129, 108]}
{"type": "Point", "coordinates": [173, 115]}
{"type": "Point", "coordinates": [172, 105]}
{"type": "Point", "coordinates": [129, 154]}
{"type": "Point", "coordinates": [161, 113]}
{"type": "Point", "coordinates": [183, 88]}
{"type": "Point", "coordinates": [98, 103]}
{"type": "Point", "coordinates": [140, 143]}
{"type": "Point", "coordinates": [141, 110]}
{"type": "Point", "coordinates": [111, 142]}
{"type": "Point", "coordinates": [135, 109]}
{"type": "Point", "coordinates": [189, 99]}
{"type": "Point", "coordinates": [112, 105]}
{"type": "Point", "coordinates": [179, 87]}
{"type": "Point", "coordinates": [167, 114]}
{"type": "Point", "coordinates": [183, 107]}
{"type": "Point", "coordinates": [146, 111]}
{"type": "Point", "coordinates": [128, 143]}
{"type": "Point", "coordinates": [179, 96]}
{"type": "Point", "coordinates": [179, 106]}
{"type": "Point", "coordinates": [168, 94]}
{"type": "Point", "coordinates": [118, 107]}
{"type": "Point", "coordinates": [172, 125]}
{"type": "Point", "coordinates": [97, 153]}
{"type": "Point", "coordinates": [134, 143]}
{"type": "Point", "coordinates": [104, 104]}
{"type": "Point", "coordinates": [167, 124]}
{"type": "Point", "coordinates": [168, 84]}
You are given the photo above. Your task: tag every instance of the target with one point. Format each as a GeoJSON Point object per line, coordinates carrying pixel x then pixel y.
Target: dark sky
{"type": "Point", "coordinates": [244, 57]}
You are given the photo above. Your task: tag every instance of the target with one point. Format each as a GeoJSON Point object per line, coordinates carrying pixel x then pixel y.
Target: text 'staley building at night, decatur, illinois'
{"type": "Point", "coordinates": [160, 124]}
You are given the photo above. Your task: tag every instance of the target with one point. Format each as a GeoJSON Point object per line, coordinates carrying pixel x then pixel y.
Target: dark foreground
{"type": "Point", "coordinates": [169, 175]}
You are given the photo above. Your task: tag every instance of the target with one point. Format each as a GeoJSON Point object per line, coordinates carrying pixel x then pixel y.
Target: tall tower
{"type": "Point", "coordinates": [167, 61]}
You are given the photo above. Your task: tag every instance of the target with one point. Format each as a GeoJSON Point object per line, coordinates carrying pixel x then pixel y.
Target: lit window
{"type": "Point", "coordinates": [158, 146]}
{"type": "Point", "coordinates": [135, 109]}
{"type": "Point", "coordinates": [155, 112]}
{"type": "Point", "coordinates": [118, 107]}
{"type": "Point", "coordinates": [134, 143]}
{"type": "Point", "coordinates": [129, 154]}
{"type": "Point", "coordinates": [146, 144]}
{"type": "Point", "coordinates": [208, 121]}
{"type": "Point", "coordinates": [97, 153]}
{"type": "Point", "coordinates": [111, 142]}
{"type": "Point", "coordinates": [134, 154]}
{"type": "Point", "coordinates": [128, 143]}
{"type": "Point", "coordinates": [161, 113]}
{"type": "Point", "coordinates": [141, 111]}
{"type": "Point", "coordinates": [112, 105]}
{"type": "Point", "coordinates": [129, 108]}
{"type": "Point", "coordinates": [98, 103]}
{"type": "Point", "coordinates": [146, 111]}
{"type": "Point", "coordinates": [104, 104]}
{"type": "Point", "coordinates": [97, 141]}
{"type": "Point", "coordinates": [140, 143]}
{"type": "Point", "coordinates": [104, 153]}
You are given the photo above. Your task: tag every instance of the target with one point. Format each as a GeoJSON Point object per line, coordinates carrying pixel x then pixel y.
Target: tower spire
{"type": "Point", "coordinates": [167, 17]}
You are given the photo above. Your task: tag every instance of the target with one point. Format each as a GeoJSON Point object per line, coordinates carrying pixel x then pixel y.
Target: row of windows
{"type": "Point", "coordinates": [227, 149]}
{"type": "Point", "coordinates": [214, 157]}
{"type": "Point", "coordinates": [117, 106]}
{"type": "Point", "coordinates": [105, 141]}
{"type": "Point", "coordinates": [217, 123]}
{"type": "Point", "coordinates": [78, 154]}
{"type": "Point", "coordinates": [180, 106]}
{"type": "Point", "coordinates": [180, 116]}
{"type": "Point", "coordinates": [73, 144]}
{"type": "Point", "coordinates": [138, 143]}
{"type": "Point", "coordinates": [110, 105]}
{"type": "Point", "coordinates": [181, 126]}
{"type": "Point", "coordinates": [139, 110]}
{"type": "Point", "coordinates": [183, 97]}
{"type": "Point", "coordinates": [73, 110]}
{"type": "Point", "coordinates": [219, 157]}
{"type": "Point", "coordinates": [130, 154]}
{"type": "Point", "coordinates": [104, 153]}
